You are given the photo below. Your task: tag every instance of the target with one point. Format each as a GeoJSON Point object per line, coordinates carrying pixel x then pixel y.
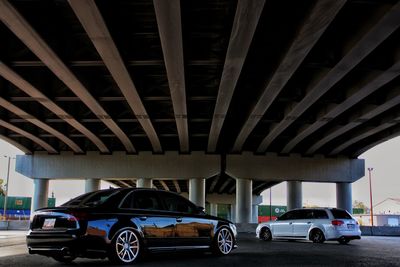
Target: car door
{"type": "Point", "coordinates": [191, 228]}
{"type": "Point", "coordinates": [302, 223]}
{"type": "Point", "coordinates": [157, 225]}
{"type": "Point", "coordinates": [283, 227]}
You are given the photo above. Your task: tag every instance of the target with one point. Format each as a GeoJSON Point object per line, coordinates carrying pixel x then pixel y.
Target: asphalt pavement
{"type": "Point", "coordinates": [369, 251]}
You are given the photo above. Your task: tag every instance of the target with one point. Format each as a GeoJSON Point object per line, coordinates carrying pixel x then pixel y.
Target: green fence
{"type": "Point", "coordinates": [22, 203]}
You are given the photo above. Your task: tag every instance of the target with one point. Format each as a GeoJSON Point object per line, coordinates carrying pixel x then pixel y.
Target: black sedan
{"type": "Point", "coordinates": [122, 223]}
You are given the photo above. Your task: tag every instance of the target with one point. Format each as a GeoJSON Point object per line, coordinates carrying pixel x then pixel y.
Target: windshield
{"type": "Point", "coordinates": [91, 199]}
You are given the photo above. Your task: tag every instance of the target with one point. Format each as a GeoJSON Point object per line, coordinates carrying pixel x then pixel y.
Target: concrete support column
{"type": "Point", "coordinates": [344, 196]}
{"type": "Point", "coordinates": [197, 191]}
{"type": "Point", "coordinates": [92, 185]}
{"type": "Point", "coordinates": [40, 193]}
{"type": "Point", "coordinates": [144, 183]}
{"type": "Point", "coordinates": [233, 213]}
{"type": "Point", "coordinates": [294, 195]}
{"type": "Point", "coordinates": [243, 200]}
{"type": "Point", "coordinates": [254, 214]}
{"type": "Point", "coordinates": [214, 209]}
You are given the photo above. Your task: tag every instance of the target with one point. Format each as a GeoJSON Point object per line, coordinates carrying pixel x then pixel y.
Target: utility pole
{"type": "Point", "coordinates": [6, 192]}
{"type": "Point", "coordinates": [370, 196]}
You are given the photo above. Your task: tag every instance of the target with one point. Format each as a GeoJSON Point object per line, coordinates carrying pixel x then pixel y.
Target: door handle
{"type": "Point", "coordinates": [291, 223]}
{"type": "Point", "coordinates": [143, 218]}
{"type": "Point", "coordinates": [179, 219]}
{"type": "Point", "coordinates": [308, 222]}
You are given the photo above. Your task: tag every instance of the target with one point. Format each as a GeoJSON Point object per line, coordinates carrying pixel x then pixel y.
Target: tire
{"type": "Point", "coordinates": [265, 234]}
{"type": "Point", "coordinates": [223, 242]}
{"type": "Point", "coordinates": [125, 247]}
{"type": "Point", "coordinates": [343, 241]}
{"type": "Point", "coordinates": [317, 236]}
{"type": "Point", "coordinates": [64, 259]}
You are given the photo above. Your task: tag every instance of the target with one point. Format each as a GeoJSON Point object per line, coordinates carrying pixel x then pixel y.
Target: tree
{"type": "Point", "coordinates": [360, 205]}
{"type": "Point", "coordinates": [2, 189]}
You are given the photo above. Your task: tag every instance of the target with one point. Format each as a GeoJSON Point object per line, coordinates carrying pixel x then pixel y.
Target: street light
{"type": "Point", "coordinates": [370, 196]}
{"type": "Point", "coordinates": [6, 186]}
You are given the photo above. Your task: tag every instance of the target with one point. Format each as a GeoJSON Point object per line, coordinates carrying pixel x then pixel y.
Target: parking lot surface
{"type": "Point", "coordinates": [370, 251]}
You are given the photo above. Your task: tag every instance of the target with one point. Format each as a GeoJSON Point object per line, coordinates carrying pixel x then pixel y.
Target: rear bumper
{"type": "Point", "coordinates": [50, 244]}
{"type": "Point", "coordinates": [56, 244]}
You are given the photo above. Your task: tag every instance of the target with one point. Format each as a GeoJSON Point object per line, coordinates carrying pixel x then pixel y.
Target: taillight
{"type": "Point", "coordinates": [78, 216]}
{"type": "Point", "coordinates": [337, 222]}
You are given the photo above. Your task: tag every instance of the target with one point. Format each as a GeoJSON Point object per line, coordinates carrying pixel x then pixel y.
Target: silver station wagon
{"type": "Point", "coordinates": [316, 224]}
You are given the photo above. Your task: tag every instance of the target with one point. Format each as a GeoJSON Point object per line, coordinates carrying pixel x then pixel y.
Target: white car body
{"type": "Point", "coordinates": [335, 224]}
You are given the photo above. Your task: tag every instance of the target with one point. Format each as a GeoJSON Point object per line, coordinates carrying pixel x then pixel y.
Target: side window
{"type": "Point", "coordinates": [286, 216]}
{"type": "Point", "coordinates": [320, 214]}
{"type": "Point", "coordinates": [177, 204]}
{"type": "Point", "coordinates": [299, 214]}
{"type": "Point", "coordinates": [144, 200]}
{"type": "Point", "coordinates": [308, 214]}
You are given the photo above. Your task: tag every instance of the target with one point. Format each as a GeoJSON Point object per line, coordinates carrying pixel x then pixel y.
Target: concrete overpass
{"type": "Point", "coordinates": [217, 99]}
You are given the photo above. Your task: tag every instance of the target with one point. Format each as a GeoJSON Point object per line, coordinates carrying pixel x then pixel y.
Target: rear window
{"type": "Point", "coordinates": [340, 214]}
{"type": "Point", "coordinates": [91, 199]}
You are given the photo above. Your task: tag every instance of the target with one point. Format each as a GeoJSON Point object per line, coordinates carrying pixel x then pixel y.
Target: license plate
{"type": "Point", "coordinates": [350, 226]}
{"type": "Point", "coordinates": [49, 223]}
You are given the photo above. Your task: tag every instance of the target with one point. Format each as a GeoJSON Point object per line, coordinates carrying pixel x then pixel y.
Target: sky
{"type": "Point", "coordinates": [383, 159]}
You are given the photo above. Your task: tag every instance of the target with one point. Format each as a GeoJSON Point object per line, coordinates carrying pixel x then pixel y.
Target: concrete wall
{"type": "Point", "coordinates": [14, 225]}
{"type": "Point", "coordinates": [380, 231]}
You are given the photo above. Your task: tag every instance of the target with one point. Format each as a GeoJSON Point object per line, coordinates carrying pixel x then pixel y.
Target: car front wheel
{"type": "Point", "coordinates": [265, 234]}
{"type": "Point", "coordinates": [125, 247]}
{"type": "Point", "coordinates": [317, 236]}
{"type": "Point", "coordinates": [223, 243]}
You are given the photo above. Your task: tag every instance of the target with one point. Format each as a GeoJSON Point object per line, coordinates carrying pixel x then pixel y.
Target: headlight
{"type": "Point", "coordinates": [233, 228]}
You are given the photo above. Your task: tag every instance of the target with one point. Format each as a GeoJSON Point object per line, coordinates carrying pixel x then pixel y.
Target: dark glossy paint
{"type": "Point", "coordinates": [88, 231]}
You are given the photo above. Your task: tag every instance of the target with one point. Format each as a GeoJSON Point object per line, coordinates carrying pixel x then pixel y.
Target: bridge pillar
{"type": "Point", "coordinates": [144, 182]}
{"type": "Point", "coordinates": [255, 213]}
{"type": "Point", "coordinates": [243, 200]}
{"type": "Point", "coordinates": [294, 195]}
{"type": "Point", "coordinates": [197, 191]}
{"type": "Point", "coordinates": [92, 185]}
{"type": "Point", "coordinates": [233, 213]}
{"type": "Point", "coordinates": [40, 194]}
{"type": "Point", "coordinates": [214, 209]}
{"type": "Point", "coordinates": [344, 196]}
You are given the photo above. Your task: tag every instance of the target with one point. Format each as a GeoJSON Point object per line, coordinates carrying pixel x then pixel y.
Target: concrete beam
{"type": "Point", "coordinates": [271, 167]}
{"type": "Point", "coordinates": [119, 164]}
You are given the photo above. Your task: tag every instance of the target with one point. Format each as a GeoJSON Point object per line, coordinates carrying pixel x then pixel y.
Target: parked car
{"type": "Point", "coordinates": [317, 225]}
{"type": "Point", "coordinates": [123, 223]}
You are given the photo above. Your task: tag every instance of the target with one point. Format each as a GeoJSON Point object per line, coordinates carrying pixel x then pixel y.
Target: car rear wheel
{"type": "Point", "coordinates": [317, 236]}
{"type": "Point", "coordinates": [265, 234]}
{"type": "Point", "coordinates": [125, 247]}
{"type": "Point", "coordinates": [223, 243]}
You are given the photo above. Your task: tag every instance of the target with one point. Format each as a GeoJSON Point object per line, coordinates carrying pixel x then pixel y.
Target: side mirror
{"type": "Point", "coordinates": [200, 210]}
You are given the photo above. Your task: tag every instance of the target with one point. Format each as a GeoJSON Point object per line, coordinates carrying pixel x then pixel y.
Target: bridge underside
{"type": "Point", "coordinates": [274, 90]}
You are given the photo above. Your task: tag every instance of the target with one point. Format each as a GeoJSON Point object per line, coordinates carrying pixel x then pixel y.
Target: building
{"type": "Point", "coordinates": [388, 206]}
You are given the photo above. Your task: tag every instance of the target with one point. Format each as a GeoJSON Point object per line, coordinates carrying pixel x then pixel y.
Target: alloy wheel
{"type": "Point", "coordinates": [265, 234]}
{"type": "Point", "coordinates": [225, 241]}
{"type": "Point", "coordinates": [127, 246]}
{"type": "Point", "coordinates": [317, 236]}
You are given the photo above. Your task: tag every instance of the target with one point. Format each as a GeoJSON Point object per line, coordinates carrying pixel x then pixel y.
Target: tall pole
{"type": "Point", "coordinates": [370, 196]}
{"type": "Point", "coordinates": [6, 193]}
{"type": "Point", "coordinates": [270, 203]}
